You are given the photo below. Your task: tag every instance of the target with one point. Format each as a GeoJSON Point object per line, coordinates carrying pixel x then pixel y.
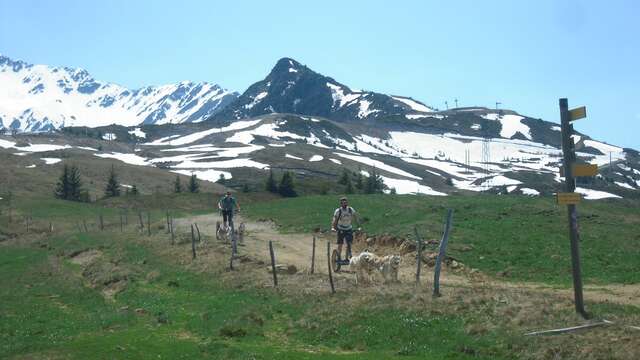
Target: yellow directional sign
{"type": "Point", "coordinates": [577, 113]}
{"type": "Point", "coordinates": [582, 170]}
{"type": "Point", "coordinates": [568, 198]}
{"type": "Point", "coordinates": [585, 170]}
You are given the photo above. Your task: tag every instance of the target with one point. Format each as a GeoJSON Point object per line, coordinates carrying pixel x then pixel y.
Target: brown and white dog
{"type": "Point", "coordinates": [389, 268]}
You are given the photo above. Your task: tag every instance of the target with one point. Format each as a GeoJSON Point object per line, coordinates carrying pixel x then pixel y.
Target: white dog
{"type": "Point", "coordinates": [389, 268]}
{"type": "Point", "coordinates": [364, 264]}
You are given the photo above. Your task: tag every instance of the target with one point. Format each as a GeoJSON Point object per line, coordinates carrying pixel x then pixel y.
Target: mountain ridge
{"type": "Point", "coordinates": [45, 98]}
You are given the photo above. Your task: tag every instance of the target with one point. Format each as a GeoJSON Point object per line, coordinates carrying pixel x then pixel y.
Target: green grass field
{"type": "Point", "coordinates": [50, 310]}
{"type": "Point", "coordinates": [51, 307]}
{"type": "Point", "coordinates": [528, 237]}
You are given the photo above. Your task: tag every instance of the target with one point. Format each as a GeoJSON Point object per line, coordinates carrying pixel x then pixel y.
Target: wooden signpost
{"type": "Point", "coordinates": [570, 197]}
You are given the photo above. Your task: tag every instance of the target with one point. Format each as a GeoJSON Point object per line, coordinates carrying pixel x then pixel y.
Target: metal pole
{"type": "Point", "coordinates": [570, 184]}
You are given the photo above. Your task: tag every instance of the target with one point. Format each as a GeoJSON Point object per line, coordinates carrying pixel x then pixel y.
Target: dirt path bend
{"type": "Point", "coordinates": [296, 248]}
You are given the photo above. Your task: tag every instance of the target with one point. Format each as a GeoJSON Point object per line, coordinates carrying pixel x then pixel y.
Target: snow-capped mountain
{"type": "Point", "coordinates": [294, 88]}
{"type": "Point", "coordinates": [43, 98]}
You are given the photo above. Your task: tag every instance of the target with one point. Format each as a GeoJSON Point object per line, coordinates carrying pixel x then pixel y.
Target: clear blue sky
{"type": "Point", "coordinates": [525, 54]}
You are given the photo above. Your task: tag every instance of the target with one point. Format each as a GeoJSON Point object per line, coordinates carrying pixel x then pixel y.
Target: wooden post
{"type": "Point", "coordinates": [333, 289]}
{"type": "Point", "coordinates": [126, 218]}
{"type": "Point", "coordinates": [141, 221]}
{"type": "Point", "coordinates": [198, 231]}
{"type": "Point", "coordinates": [50, 227]}
{"type": "Point", "coordinates": [84, 223]}
{"type": "Point", "coordinates": [121, 224]}
{"type": "Point", "coordinates": [173, 236]}
{"type": "Point", "coordinates": [101, 223]}
{"type": "Point", "coordinates": [167, 216]}
{"type": "Point", "coordinates": [193, 243]}
{"type": "Point", "coordinates": [313, 255]}
{"type": "Point", "coordinates": [568, 151]}
{"type": "Point", "coordinates": [273, 264]}
{"type": "Point", "coordinates": [419, 254]}
{"type": "Point", "coordinates": [26, 222]}
{"type": "Point", "coordinates": [148, 224]}
{"type": "Point", "coordinates": [234, 240]}
{"type": "Point", "coordinates": [441, 254]}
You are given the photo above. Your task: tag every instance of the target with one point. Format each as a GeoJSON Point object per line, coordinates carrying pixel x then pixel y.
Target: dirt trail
{"type": "Point", "coordinates": [295, 249]}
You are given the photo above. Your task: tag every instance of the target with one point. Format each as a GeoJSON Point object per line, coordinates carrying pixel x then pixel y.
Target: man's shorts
{"type": "Point", "coordinates": [345, 235]}
{"type": "Point", "coordinates": [227, 216]}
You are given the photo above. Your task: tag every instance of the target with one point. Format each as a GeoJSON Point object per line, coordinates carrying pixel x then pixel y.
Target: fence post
{"type": "Point", "coordinates": [333, 289]}
{"type": "Point", "coordinates": [168, 225]}
{"type": "Point", "coordinates": [193, 243]}
{"type": "Point", "coordinates": [419, 254]}
{"type": "Point", "coordinates": [148, 224]}
{"type": "Point", "coordinates": [121, 225]}
{"type": "Point", "coordinates": [101, 223]}
{"type": "Point", "coordinates": [441, 254]}
{"type": "Point", "coordinates": [273, 264]}
{"type": "Point", "coordinates": [141, 221]}
{"type": "Point", "coordinates": [84, 223]}
{"type": "Point", "coordinates": [198, 231]}
{"type": "Point", "coordinates": [173, 236]}
{"type": "Point", "coordinates": [313, 255]}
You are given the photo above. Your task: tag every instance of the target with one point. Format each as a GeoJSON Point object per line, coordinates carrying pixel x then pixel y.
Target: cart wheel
{"type": "Point", "coordinates": [335, 265]}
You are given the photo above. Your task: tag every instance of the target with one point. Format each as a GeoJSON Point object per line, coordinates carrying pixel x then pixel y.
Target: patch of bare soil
{"type": "Point", "coordinates": [83, 258]}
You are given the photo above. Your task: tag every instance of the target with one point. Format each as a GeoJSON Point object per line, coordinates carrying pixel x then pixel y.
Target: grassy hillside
{"type": "Point", "coordinates": [140, 297]}
{"type": "Point", "coordinates": [526, 237]}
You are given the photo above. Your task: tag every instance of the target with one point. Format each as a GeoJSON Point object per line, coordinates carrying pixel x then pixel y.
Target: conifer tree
{"type": "Point", "coordinates": [75, 186]}
{"type": "Point", "coordinates": [286, 187]}
{"type": "Point", "coordinates": [270, 185]}
{"type": "Point", "coordinates": [359, 180]}
{"type": "Point", "coordinates": [221, 179]}
{"type": "Point", "coordinates": [113, 187]}
{"type": "Point", "coordinates": [349, 186]}
{"type": "Point", "coordinates": [62, 186]}
{"type": "Point", "coordinates": [344, 177]}
{"type": "Point", "coordinates": [134, 190]}
{"type": "Point", "coordinates": [177, 186]}
{"type": "Point", "coordinates": [194, 186]}
{"type": "Point", "coordinates": [374, 183]}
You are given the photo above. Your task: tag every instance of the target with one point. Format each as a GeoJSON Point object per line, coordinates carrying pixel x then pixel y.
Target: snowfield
{"type": "Point", "coordinates": [595, 194]}
{"type": "Point", "coordinates": [511, 124]}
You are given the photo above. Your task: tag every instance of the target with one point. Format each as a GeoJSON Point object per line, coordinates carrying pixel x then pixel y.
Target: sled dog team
{"type": "Point", "coordinates": [365, 263]}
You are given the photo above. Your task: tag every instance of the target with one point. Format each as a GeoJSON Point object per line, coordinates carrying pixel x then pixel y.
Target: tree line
{"type": "Point", "coordinates": [70, 187]}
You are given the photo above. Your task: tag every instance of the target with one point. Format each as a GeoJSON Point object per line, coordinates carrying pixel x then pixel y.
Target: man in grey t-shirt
{"type": "Point", "coordinates": [342, 223]}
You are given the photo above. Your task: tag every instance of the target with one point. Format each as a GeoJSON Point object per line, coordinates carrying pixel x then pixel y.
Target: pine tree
{"type": "Point", "coordinates": [374, 183]}
{"type": "Point", "coordinates": [75, 186]}
{"type": "Point", "coordinates": [134, 190]}
{"type": "Point", "coordinates": [113, 187]}
{"type": "Point", "coordinates": [344, 177]}
{"type": "Point", "coordinates": [194, 186]}
{"type": "Point", "coordinates": [62, 186]}
{"type": "Point", "coordinates": [270, 185]}
{"type": "Point", "coordinates": [221, 180]}
{"type": "Point", "coordinates": [286, 187]}
{"type": "Point", "coordinates": [177, 186]}
{"type": "Point", "coordinates": [359, 180]}
{"type": "Point", "coordinates": [348, 186]}
{"type": "Point", "coordinates": [245, 188]}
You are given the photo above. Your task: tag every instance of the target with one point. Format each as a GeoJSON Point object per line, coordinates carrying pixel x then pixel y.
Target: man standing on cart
{"type": "Point", "coordinates": [342, 223]}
